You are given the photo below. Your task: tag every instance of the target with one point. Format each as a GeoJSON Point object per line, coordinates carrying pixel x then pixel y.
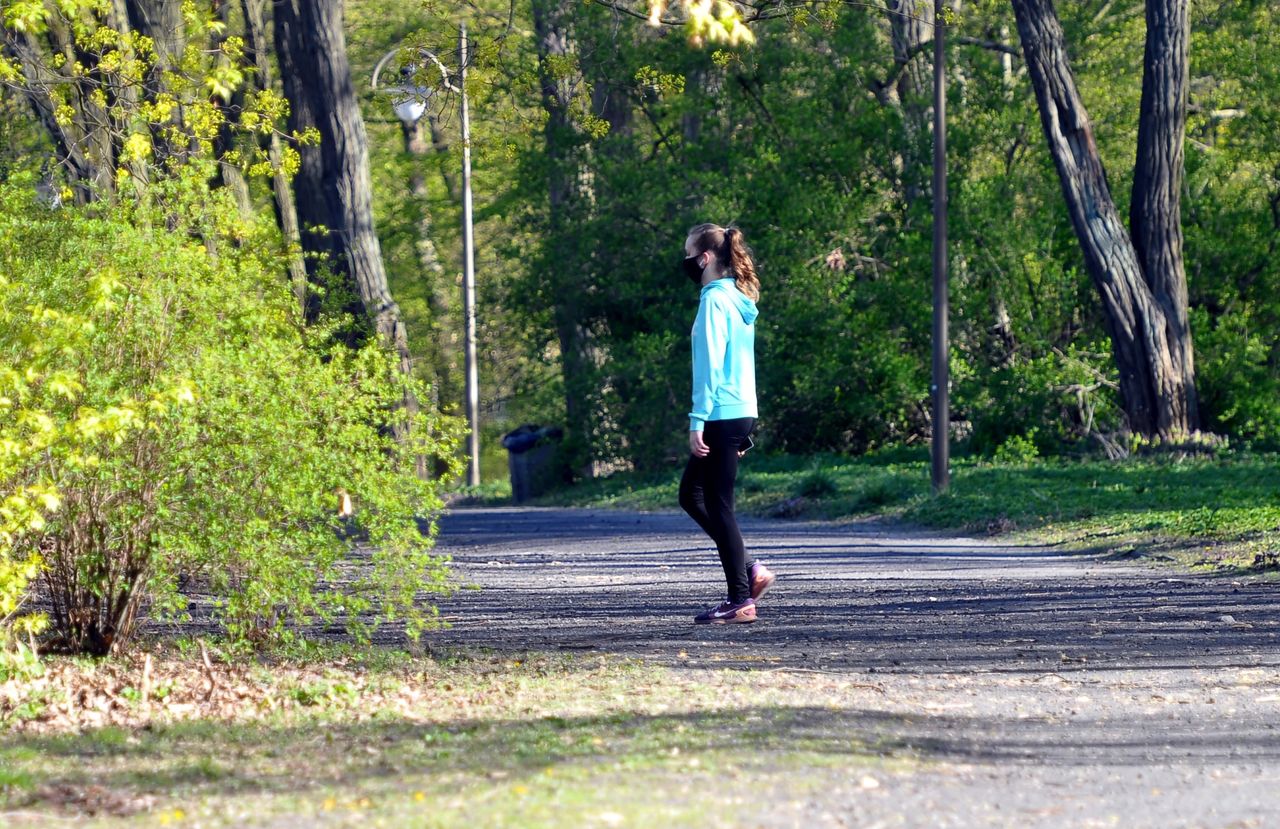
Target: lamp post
{"type": "Point", "coordinates": [940, 447]}
{"type": "Point", "coordinates": [469, 271]}
{"type": "Point", "coordinates": [410, 102]}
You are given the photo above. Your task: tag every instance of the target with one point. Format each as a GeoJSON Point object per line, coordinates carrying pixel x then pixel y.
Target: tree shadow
{"type": "Point", "coordinates": [848, 602]}
{"type": "Point", "coordinates": [207, 759]}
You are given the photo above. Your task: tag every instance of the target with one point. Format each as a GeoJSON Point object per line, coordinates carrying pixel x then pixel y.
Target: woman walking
{"type": "Point", "coordinates": [724, 408]}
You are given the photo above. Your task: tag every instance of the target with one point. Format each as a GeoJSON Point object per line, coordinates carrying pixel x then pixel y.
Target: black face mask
{"type": "Point", "coordinates": [692, 269]}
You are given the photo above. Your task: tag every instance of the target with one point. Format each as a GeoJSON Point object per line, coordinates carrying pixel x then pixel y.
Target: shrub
{"type": "Point", "coordinates": [1050, 402]}
{"type": "Point", "coordinates": [165, 416]}
{"type": "Point", "coordinates": [1018, 449]}
{"type": "Point", "coordinates": [1237, 376]}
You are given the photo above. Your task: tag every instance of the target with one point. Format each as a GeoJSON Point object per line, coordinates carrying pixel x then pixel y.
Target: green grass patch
{"type": "Point", "coordinates": [482, 740]}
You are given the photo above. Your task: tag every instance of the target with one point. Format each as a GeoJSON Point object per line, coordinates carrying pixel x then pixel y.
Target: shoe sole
{"type": "Point", "coordinates": [736, 620]}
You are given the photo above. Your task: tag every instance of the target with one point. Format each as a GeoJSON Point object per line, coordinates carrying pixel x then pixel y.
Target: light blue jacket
{"type": "Point", "coordinates": [724, 361]}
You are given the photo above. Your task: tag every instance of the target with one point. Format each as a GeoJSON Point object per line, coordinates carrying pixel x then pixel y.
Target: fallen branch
{"type": "Point", "coordinates": [208, 667]}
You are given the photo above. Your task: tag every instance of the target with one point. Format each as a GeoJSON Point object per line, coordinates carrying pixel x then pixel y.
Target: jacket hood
{"type": "Point", "coordinates": [746, 307]}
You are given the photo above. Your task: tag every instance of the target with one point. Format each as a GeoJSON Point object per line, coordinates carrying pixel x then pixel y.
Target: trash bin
{"type": "Point", "coordinates": [532, 459]}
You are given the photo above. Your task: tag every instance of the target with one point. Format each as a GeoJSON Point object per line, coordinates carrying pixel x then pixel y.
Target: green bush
{"type": "Point", "coordinates": [165, 417]}
{"type": "Point", "coordinates": [1018, 449]}
{"type": "Point", "coordinates": [1237, 378]}
{"type": "Point", "coordinates": [1039, 406]}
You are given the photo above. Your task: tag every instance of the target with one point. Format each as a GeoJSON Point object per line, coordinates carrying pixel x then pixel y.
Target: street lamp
{"type": "Point", "coordinates": [941, 444]}
{"type": "Point", "coordinates": [410, 101]}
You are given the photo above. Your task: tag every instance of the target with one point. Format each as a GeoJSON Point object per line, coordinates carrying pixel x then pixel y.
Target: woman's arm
{"type": "Point", "coordinates": [710, 341]}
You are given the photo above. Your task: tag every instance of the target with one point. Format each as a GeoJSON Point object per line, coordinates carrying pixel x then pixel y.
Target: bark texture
{"type": "Point", "coordinates": [1155, 207]}
{"type": "Point", "coordinates": [431, 269]}
{"type": "Point", "coordinates": [286, 211]}
{"type": "Point", "coordinates": [911, 29]}
{"type": "Point", "coordinates": [1142, 301]}
{"type": "Point", "coordinates": [86, 144]}
{"type": "Point", "coordinates": [333, 186]}
{"type": "Point", "coordinates": [551, 24]}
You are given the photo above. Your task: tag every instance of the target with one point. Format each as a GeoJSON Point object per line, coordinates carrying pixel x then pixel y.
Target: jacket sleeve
{"type": "Point", "coordinates": [710, 343]}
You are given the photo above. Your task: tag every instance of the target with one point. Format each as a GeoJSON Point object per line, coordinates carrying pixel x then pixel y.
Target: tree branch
{"type": "Point", "coordinates": [764, 110]}
{"type": "Point", "coordinates": [664, 138]}
{"type": "Point", "coordinates": [900, 63]}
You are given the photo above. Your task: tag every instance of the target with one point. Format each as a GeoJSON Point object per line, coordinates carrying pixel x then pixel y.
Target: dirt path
{"type": "Point", "coordinates": [1036, 689]}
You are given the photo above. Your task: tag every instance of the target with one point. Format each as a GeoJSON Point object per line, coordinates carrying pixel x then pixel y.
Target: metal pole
{"type": "Point", "coordinates": [469, 274]}
{"type": "Point", "coordinates": [941, 449]}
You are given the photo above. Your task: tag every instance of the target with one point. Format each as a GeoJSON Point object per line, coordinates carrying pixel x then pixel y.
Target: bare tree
{"type": "Point", "coordinates": [908, 89]}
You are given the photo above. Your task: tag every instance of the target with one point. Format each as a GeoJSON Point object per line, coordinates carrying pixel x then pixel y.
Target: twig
{"type": "Point", "coordinates": [208, 667]}
{"type": "Point", "coordinates": [146, 680]}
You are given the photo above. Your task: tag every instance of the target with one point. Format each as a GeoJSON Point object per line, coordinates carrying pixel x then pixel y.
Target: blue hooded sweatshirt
{"type": "Point", "coordinates": [724, 362]}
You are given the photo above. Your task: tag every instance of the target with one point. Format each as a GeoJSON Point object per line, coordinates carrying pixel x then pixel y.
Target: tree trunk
{"type": "Point", "coordinates": [160, 20]}
{"type": "Point", "coordinates": [1155, 216]}
{"type": "Point", "coordinates": [68, 139]}
{"type": "Point", "coordinates": [230, 175]}
{"type": "Point", "coordinates": [439, 294]}
{"type": "Point", "coordinates": [1155, 384]}
{"type": "Point", "coordinates": [551, 29]}
{"type": "Point", "coordinates": [85, 146]}
{"type": "Point", "coordinates": [333, 186]}
{"type": "Point", "coordinates": [911, 28]}
{"type": "Point", "coordinates": [61, 66]}
{"type": "Point", "coordinates": [286, 211]}
{"type": "Point", "coordinates": [441, 145]}
{"type": "Point", "coordinates": [334, 191]}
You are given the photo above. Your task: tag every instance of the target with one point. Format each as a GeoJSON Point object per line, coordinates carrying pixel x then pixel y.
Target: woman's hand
{"type": "Point", "coordinates": [696, 446]}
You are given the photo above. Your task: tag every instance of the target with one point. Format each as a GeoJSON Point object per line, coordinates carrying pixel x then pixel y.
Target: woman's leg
{"type": "Point", "coordinates": [724, 438]}
{"type": "Point", "coordinates": [693, 492]}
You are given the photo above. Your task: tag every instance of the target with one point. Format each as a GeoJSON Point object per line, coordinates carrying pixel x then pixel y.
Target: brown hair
{"type": "Point", "coordinates": [731, 253]}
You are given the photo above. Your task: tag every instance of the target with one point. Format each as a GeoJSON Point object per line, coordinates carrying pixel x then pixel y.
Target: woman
{"type": "Point", "coordinates": [724, 408]}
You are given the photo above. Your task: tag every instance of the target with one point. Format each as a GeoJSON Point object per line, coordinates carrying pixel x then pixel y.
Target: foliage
{"type": "Point", "coordinates": [798, 140]}
{"type": "Point", "coordinates": [166, 420]}
{"type": "Point", "coordinates": [818, 483]}
{"type": "Point", "coordinates": [1040, 405]}
{"type": "Point", "coordinates": [131, 99]}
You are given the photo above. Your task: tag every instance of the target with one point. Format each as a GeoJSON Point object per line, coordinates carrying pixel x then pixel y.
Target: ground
{"type": "Point", "coordinates": [1027, 687]}
{"type": "Point", "coordinates": [895, 678]}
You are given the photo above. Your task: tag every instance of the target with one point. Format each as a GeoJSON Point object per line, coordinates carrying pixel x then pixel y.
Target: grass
{"type": "Point", "coordinates": [469, 740]}
{"type": "Point", "coordinates": [1212, 509]}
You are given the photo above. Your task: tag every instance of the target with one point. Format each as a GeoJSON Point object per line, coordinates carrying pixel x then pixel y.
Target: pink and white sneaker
{"type": "Point", "coordinates": [762, 578]}
{"type": "Point", "coordinates": [728, 613]}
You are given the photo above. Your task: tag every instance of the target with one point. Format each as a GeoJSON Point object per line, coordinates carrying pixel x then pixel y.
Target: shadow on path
{"type": "Point", "coordinates": [849, 596]}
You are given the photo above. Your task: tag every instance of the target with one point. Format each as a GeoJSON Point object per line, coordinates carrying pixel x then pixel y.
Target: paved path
{"type": "Point", "coordinates": [1041, 689]}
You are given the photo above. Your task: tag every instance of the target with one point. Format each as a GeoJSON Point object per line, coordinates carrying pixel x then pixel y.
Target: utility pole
{"type": "Point", "coordinates": [941, 443]}
{"type": "Point", "coordinates": [469, 274]}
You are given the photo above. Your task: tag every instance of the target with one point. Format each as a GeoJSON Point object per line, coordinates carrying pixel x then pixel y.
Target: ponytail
{"type": "Point", "coordinates": [744, 270]}
{"type": "Point", "coordinates": [731, 252]}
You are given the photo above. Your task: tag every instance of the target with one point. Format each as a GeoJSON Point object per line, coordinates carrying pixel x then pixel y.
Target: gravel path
{"type": "Point", "coordinates": [1038, 689]}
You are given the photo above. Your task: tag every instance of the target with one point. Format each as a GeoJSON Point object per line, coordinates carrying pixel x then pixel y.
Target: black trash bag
{"type": "Point", "coordinates": [525, 437]}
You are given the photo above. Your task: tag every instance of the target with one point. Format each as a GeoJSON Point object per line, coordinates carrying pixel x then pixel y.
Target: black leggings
{"type": "Point", "coordinates": [706, 493]}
